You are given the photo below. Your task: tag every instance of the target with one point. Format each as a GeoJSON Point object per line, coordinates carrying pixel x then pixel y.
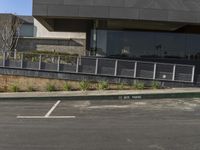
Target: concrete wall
{"type": "Point", "coordinates": [26, 30]}
{"type": "Point", "coordinates": [71, 46]}
{"type": "Point", "coordinates": [41, 32]}
{"type": "Point", "coordinates": [5, 19]}
{"type": "Point", "coordinates": [156, 10]}
{"type": "Point", "coordinates": [66, 76]}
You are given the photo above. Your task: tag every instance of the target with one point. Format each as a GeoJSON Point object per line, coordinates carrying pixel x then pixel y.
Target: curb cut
{"type": "Point", "coordinates": [111, 97]}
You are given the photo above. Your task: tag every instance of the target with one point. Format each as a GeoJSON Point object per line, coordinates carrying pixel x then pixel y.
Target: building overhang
{"type": "Point", "coordinates": [79, 15]}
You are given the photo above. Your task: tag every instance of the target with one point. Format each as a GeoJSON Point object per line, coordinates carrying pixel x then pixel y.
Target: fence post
{"type": "Point", "coordinates": [40, 62]}
{"type": "Point", "coordinates": [77, 65]}
{"type": "Point", "coordinates": [135, 70]}
{"type": "Point", "coordinates": [174, 73]}
{"type": "Point", "coordinates": [58, 64]}
{"type": "Point", "coordinates": [4, 59]}
{"type": "Point", "coordinates": [154, 71]}
{"type": "Point", "coordinates": [193, 73]}
{"type": "Point", "coordinates": [116, 67]}
{"type": "Point", "coordinates": [22, 60]}
{"type": "Point", "coordinates": [96, 67]}
{"type": "Point", "coordinates": [15, 54]}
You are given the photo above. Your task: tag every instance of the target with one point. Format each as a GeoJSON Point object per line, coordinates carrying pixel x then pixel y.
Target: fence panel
{"type": "Point", "coordinates": [87, 65]}
{"type": "Point", "coordinates": [49, 63]}
{"type": "Point", "coordinates": [164, 72]}
{"type": "Point", "coordinates": [13, 61]}
{"type": "Point", "coordinates": [125, 68]}
{"type": "Point", "coordinates": [183, 73]}
{"type": "Point", "coordinates": [31, 61]}
{"type": "Point", "coordinates": [68, 63]}
{"type": "Point", "coordinates": [101, 66]}
{"type": "Point", "coordinates": [145, 70]}
{"type": "Point", "coordinates": [1, 59]}
{"type": "Point", "coordinates": [106, 66]}
{"type": "Point", "coordinates": [198, 77]}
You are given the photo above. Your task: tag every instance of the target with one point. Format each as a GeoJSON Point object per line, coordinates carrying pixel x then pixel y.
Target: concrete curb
{"type": "Point", "coordinates": [117, 95]}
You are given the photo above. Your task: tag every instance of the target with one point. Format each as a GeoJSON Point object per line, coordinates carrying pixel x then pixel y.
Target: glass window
{"type": "Point", "coordinates": [140, 44]}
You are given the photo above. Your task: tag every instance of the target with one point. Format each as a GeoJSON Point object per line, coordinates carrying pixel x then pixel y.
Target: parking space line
{"type": "Point", "coordinates": [30, 117]}
{"type": "Point", "coordinates": [43, 117]}
{"type": "Point", "coordinates": [48, 114]}
{"type": "Point", "coordinates": [52, 109]}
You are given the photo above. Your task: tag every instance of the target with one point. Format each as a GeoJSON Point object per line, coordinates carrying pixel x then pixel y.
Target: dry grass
{"type": "Point", "coordinates": [40, 84]}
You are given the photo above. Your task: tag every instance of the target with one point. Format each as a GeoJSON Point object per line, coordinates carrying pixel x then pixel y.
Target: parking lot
{"type": "Point", "coordinates": [100, 125]}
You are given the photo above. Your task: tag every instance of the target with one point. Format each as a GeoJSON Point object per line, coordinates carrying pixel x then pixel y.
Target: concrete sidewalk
{"type": "Point", "coordinates": [105, 95]}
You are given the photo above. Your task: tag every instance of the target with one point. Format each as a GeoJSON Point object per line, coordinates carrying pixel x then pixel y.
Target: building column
{"type": "Point", "coordinates": [95, 36]}
{"type": "Point", "coordinates": [88, 37]}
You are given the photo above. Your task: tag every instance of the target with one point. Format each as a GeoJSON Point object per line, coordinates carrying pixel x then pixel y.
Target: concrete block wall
{"type": "Point", "coordinates": [70, 46]}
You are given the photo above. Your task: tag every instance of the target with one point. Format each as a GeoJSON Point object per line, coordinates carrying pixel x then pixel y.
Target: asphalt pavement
{"type": "Point", "coordinates": [170, 124]}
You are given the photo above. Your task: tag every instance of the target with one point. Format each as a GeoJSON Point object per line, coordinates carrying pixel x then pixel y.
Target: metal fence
{"type": "Point", "coordinates": [100, 66]}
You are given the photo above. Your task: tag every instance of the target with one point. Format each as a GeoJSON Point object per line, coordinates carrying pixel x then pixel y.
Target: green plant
{"type": "Point", "coordinates": [103, 85]}
{"type": "Point", "coordinates": [84, 85]}
{"type": "Point", "coordinates": [121, 86]}
{"type": "Point", "coordinates": [50, 88]}
{"type": "Point", "coordinates": [30, 89]}
{"type": "Point", "coordinates": [67, 87]}
{"type": "Point", "coordinates": [14, 88]}
{"type": "Point", "coordinates": [138, 85]}
{"type": "Point", "coordinates": [155, 85]}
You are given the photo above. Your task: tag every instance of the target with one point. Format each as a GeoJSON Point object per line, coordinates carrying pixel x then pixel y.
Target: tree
{"type": "Point", "coordinates": [9, 33]}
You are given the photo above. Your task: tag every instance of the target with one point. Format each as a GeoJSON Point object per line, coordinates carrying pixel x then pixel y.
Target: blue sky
{"type": "Point", "coordinates": [19, 7]}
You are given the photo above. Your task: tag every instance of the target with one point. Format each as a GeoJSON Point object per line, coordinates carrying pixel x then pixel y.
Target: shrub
{"type": "Point", "coordinates": [67, 87]}
{"type": "Point", "coordinates": [14, 88]}
{"type": "Point", "coordinates": [84, 85]}
{"type": "Point", "coordinates": [50, 88]}
{"type": "Point", "coordinates": [121, 86]}
{"type": "Point", "coordinates": [103, 85]}
{"type": "Point", "coordinates": [138, 85]}
{"type": "Point", "coordinates": [155, 85]}
{"type": "Point", "coordinates": [30, 89]}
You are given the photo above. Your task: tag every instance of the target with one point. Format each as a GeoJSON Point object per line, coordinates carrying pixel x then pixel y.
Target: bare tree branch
{"type": "Point", "coordinates": [10, 33]}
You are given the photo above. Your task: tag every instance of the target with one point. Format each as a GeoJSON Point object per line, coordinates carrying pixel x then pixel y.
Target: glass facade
{"type": "Point", "coordinates": [141, 44]}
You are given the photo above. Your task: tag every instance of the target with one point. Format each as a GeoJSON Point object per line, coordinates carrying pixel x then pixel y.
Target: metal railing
{"type": "Point", "coordinates": [101, 66]}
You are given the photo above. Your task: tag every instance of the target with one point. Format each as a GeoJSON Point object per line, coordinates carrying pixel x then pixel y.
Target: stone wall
{"type": "Point", "coordinates": [71, 46]}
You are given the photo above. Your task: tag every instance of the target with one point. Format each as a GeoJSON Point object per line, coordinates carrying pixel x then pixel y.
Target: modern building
{"type": "Point", "coordinates": [155, 30]}
{"type": "Point", "coordinates": [164, 35]}
{"type": "Point", "coordinates": [141, 29]}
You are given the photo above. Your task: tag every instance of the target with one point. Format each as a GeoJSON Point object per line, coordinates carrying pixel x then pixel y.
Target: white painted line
{"type": "Point", "coordinates": [108, 106]}
{"type": "Point", "coordinates": [47, 116]}
{"type": "Point", "coordinates": [30, 117]}
{"type": "Point", "coordinates": [62, 117]}
{"type": "Point", "coordinates": [43, 117]}
{"type": "Point", "coordinates": [52, 109]}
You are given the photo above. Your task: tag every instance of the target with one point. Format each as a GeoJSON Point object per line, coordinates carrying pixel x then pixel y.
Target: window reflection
{"type": "Point", "coordinates": [137, 44]}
